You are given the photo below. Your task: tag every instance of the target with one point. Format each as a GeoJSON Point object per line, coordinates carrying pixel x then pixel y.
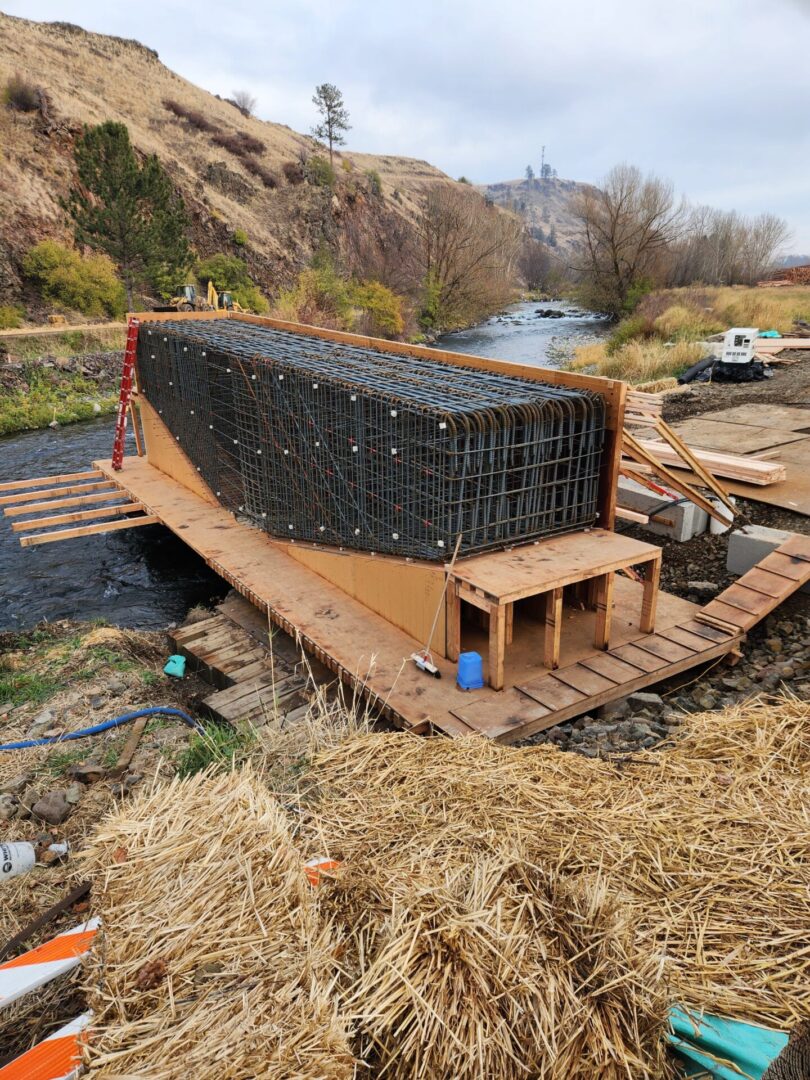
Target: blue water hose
{"type": "Point", "coordinates": [117, 721]}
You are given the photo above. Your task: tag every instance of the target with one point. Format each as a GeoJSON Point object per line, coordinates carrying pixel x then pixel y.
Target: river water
{"type": "Point", "coordinates": [146, 578]}
{"type": "Point", "coordinates": [143, 578]}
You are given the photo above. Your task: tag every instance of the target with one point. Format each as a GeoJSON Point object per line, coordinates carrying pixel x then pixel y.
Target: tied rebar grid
{"type": "Point", "coordinates": [339, 444]}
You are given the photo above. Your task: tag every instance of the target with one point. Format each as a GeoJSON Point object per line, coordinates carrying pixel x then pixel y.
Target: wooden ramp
{"type": "Point", "coordinates": [106, 503]}
{"type": "Point", "coordinates": [255, 684]}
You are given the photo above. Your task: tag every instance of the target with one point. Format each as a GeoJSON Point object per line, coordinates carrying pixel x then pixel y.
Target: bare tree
{"type": "Point", "coordinates": [467, 252]}
{"type": "Point", "coordinates": [720, 247]}
{"type": "Point", "coordinates": [627, 226]}
{"type": "Point", "coordinates": [244, 101]}
{"type": "Point", "coordinates": [334, 117]}
{"type": "Point", "coordinates": [534, 263]}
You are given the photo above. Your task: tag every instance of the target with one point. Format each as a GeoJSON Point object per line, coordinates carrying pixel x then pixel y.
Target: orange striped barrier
{"type": "Point", "coordinates": [47, 961]}
{"type": "Point", "coordinates": [58, 1057]}
{"type": "Point", "coordinates": [316, 868]}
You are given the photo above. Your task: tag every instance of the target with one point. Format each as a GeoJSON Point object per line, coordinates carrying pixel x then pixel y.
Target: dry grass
{"type": "Point", "coordinates": [638, 362]}
{"type": "Point", "coordinates": [498, 911]}
{"type": "Point", "coordinates": [214, 950]}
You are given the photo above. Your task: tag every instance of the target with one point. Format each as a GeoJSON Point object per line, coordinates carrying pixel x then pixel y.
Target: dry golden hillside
{"type": "Point", "coordinates": [88, 78]}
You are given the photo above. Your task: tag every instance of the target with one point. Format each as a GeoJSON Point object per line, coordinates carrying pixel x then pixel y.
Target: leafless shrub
{"type": "Point", "coordinates": [244, 101]}
{"type": "Point", "coordinates": [239, 143]}
{"type": "Point", "coordinates": [191, 116]}
{"type": "Point", "coordinates": [21, 95]}
{"type": "Point", "coordinates": [293, 172]}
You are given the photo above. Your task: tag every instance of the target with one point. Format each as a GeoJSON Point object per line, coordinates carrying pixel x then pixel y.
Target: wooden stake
{"type": "Point", "coordinates": [78, 489]}
{"type": "Point", "coordinates": [56, 504]}
{"type": "Point", "coordinates": [553, 628]}
{"type": "Point", "coordinates": [44, 481]}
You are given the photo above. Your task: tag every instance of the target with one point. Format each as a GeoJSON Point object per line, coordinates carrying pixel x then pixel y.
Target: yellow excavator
{"type": "Point", "coordinates": [186, 298]}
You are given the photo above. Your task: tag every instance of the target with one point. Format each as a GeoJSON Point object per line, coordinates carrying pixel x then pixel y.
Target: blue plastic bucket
{"type": "Point", "coordinates": [470, 671]}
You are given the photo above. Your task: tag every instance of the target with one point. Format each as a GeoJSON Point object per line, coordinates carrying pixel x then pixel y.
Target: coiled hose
{"type": "Point", "coordinates": [117, 721]}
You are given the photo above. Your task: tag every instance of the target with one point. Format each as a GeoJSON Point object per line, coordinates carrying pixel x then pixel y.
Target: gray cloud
{"type": "Point", "coordinates": [714, 96]}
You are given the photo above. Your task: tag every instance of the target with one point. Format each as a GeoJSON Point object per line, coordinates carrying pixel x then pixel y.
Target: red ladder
{"type": "Point", "coordinates": [125, 397]}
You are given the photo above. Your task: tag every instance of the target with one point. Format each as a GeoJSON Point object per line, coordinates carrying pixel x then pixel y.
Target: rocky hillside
{"type": "Point", "coordinates": [544, 205]}
{"type": "Point", "coordinates": [235, 172]}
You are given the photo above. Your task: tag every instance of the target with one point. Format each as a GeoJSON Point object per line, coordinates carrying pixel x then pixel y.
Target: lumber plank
{"type": "Point", "coordinates": [733, 466]}
{"type": "Point", "coordinates": [552, 628]}
{"type": "Point", "coordinates": [44, 481]}
{"type": "Point", "coordinates": [668, 650]}
{"type": "Point", "coordinates": [71, 489]}
{"type": "Point", "coordinates": [707, 631]}
{"type": "Point", "coordinates": [584, 680]}
{"type": "Point", "coordinates": [510, 716]}
{"type": "Point", "coordinates": [74, 500]}
{"type": "Point", "coordinates": [765, 582]}
{"type": "Point", "coordinates": [639, 658]}
{"type": "Point", "coordinates": [685, 637]}
{"type": "Point", "coordinates": [88, 530]}
{"type": "Point", "coordinates": [611, 667]}
{"type": "Point", "coordinates": [626, 514]}
{"type": "Point", "coordinates": [552, 693]}
{"type": "Point", "coordinates": [77, 515]}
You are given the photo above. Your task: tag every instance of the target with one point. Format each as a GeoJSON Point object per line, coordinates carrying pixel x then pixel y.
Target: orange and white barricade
{"type": "Point", "coordinates": [48, 961]}
{"type": "Point", "coordinates": [59, 1057]}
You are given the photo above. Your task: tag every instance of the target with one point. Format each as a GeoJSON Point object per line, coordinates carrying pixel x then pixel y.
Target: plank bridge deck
{"type": "Point", "coordinates": [372, 655]}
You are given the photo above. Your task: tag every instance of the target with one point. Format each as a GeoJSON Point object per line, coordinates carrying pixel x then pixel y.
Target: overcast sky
{"type": "Point", "coordinates": [714, 94]}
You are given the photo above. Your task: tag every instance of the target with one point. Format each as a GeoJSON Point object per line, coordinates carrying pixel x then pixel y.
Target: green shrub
{"type": "Point", "coordinates": [85, 283]}
{"type": "Point", "coordinates": [319, 172]}
{"type": "Point", "coordinates": [21, 95]}
{"type": "Point", "coordinates": [636, 293]}
{"type": "Point", "coordinates": [229, 272]}
{"type": "Point", "coordinates": [347, 165]}
{"type": "Point", "coordinates": [381, 308]}
{"type": "Point", "coordinates": [320, 297]}
{"type": "Point", "coordinates": [627, 330]}
{"type": "Point", "coordinates": [374, 182]}
{"type": "Point", "coordinates": [240, 237]}
{"type": "Point", "coordinates": [217, 749]}
{"type": "Point", "coordinates": [11, 317]}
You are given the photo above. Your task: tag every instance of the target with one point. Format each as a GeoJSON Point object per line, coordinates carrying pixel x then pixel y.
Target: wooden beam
{"type": "Point", "coordinates": [49, 331]}
{"type": "Point", "coordinates": [604, 610]}
{"type": "Point", "coordinates": [88, 530]}
{"type": "Point", "coordinates": [77, 500]}
{"type": "Point", "coordinates": [71, 489]}
{"type": "Point", "coordinates": [453, 621]}
{"type": "Point", "coordinates": [626, 514]}
{"type": "Point", "coordinates": [636, 451]}
{"type": "Point", "coordinates": [649, 602]}
{"type": "Point", "coordinates": [497, 645]}
{"type": "Point", "coordinates": [553, 628]}
{"type": "Point", "coordinates": [697, 467]}
{"type": "Point", "coordinates": [77, 515]}
{"type": "Point", "coordinates": [748, 470]}
{"type": "Point", "coordinates": [43, 481]}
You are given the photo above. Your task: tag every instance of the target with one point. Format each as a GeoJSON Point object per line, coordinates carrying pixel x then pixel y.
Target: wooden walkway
{"type": "Point", "coordinates": [372, 655]}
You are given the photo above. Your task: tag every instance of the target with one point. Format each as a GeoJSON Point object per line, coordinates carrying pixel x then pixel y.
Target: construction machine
{"type": "Point", "coordinates": [186, 298]}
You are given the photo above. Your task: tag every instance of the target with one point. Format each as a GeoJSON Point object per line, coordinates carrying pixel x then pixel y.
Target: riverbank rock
{"type": "Point", "coordinates": [53, 807]}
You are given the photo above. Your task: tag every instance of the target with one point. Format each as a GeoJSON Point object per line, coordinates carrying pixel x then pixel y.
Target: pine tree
{"type": "Point", "coordinates": [128, 210]}
{"type": "Point", "coordinates": [334, 117]}
{"type": "Point", "coordinates": [530, 175]}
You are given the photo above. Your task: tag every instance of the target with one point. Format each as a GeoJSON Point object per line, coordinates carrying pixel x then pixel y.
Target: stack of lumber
{"type": "Point", "coordinates": [496, 912]}
{"type": "Point", "coordinates": [747, 470]}
{"type": "Point", "coordinates": [642, 409]}
{"type": "Point", "coordinates": [769, 350]}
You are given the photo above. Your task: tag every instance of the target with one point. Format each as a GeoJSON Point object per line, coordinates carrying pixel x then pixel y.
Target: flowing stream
{"type": "Point", "coordinates": [146, 578]}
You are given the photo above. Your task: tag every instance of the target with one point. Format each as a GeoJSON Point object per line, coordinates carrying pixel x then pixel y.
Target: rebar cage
{"type": "Point", "coordinates": [316, 440]}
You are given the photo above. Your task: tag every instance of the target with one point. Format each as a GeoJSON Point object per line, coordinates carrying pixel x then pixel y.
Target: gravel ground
{"type": "Point", "coordinates": [776, 654]}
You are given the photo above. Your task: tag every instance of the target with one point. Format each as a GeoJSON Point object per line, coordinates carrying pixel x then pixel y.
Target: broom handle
{"type": "Point", "coordinates": [444, 591]}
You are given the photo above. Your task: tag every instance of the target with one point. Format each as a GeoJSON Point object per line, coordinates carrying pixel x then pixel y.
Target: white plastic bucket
{"type": "Point", "coordinates": [16, 859]}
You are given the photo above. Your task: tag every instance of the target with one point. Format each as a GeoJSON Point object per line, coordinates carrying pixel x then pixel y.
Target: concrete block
{"type": "Point", "coordinates": [687, 519]}
{"type": "Point", "coordinates": [750, 545]}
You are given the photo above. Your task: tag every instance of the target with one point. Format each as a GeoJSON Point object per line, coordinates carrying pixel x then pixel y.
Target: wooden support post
{"type": "Point", "coordinates": [604, 610]}
{"type": "Point", "coordinates": [453, 621]}
{"type": "Point", "coordinates": [497, 645]}
{"type": "Point", "coordinates": [652, 578]}
{"type": "Point", "coordinates": [510, 622]}
{"type": "Point", "coordinates": [553, 628]}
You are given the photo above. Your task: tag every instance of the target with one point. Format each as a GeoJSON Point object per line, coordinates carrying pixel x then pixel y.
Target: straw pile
{"type": "Point", "coordinates": [214, 961]}
{"type": "Point", "coordinates": [498, 912]}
